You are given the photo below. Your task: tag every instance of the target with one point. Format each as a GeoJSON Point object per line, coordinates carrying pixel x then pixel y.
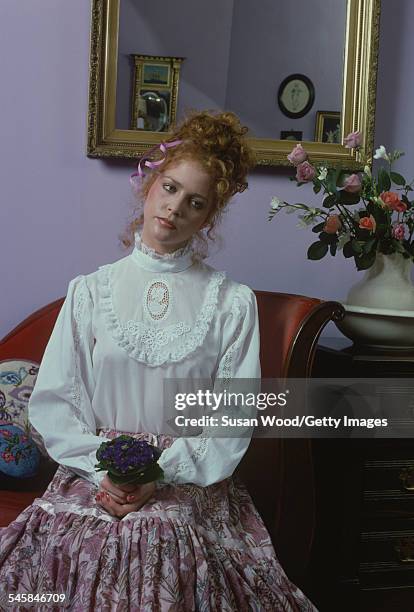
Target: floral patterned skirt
{"type": "Point", "coordinates": [187, 549]}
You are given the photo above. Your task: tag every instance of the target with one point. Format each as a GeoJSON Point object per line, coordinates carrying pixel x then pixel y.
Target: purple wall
{"type": "Point", "coordinates": [61, 212]}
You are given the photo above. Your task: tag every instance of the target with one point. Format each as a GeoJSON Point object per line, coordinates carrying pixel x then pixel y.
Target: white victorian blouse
{"type": "Point", "coordinates": [121, 331]}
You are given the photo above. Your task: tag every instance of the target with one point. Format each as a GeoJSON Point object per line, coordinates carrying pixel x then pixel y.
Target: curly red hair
{"type": "Point", "coordinates": [217, 141]}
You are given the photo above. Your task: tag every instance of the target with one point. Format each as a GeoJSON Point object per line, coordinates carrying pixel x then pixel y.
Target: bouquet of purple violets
{"type": "Point", "coordinates": [129, 461]}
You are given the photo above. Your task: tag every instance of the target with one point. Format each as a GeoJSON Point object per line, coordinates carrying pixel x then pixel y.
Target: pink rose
{"type": "Point", "coordinates": [332, 224]}
{"type": "Point", "coordinates": [305, 172]}
{"type": "Point", "coordinates": [353, 140]}
{"type": "Point", "coordinates": [368, 223]}
{"type": "Point", "coordinates": [392, 201]}
{"type": "Point", "coordinates": [398, 231]}
{"type": "Point", "coordinates": [352, 183]}
{"type": "Point", "coordinates": [298, 155]}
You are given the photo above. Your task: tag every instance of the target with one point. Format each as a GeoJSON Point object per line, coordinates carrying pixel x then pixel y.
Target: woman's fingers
{"type": "Point", "coordinates": [136, 495]}
{"type": "Point", "coordinates": [120, 510]}
{"type": "Point", "coordinates": [117, 492]}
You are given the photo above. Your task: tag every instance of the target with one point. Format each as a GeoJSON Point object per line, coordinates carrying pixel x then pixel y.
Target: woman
{"type": "Point", "coordinates": [193, 541]}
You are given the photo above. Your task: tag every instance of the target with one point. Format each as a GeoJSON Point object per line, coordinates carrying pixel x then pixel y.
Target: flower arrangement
{"type": "Point", "coordinates": [383, 224]}
{"type": "Point", "coordinates": [129, 460]}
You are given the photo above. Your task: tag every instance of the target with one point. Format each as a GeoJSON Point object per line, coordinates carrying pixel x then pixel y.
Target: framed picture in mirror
{"type": "Point", "coordinates": [296, 96]}
{"type": "Point", "coordinates": [154, 92]}
{"type": "Point", "coordinates": [291, 135]}
{"type": "Point", "coordinates": [328, 127]}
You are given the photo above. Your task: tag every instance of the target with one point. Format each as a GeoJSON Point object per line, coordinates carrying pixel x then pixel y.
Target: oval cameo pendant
{"type": "Point", "coordinates": [157, 300]}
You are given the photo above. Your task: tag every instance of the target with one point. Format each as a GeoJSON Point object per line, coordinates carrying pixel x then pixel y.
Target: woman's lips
{"type": "Point", "coordinates": [165, 223]}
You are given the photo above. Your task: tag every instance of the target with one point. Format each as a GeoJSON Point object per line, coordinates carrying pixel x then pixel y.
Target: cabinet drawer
{"type": "Point", "coordinates": [387, 558]}
{"type": "Point", "coordinates": [392, 474]}
{"type": "Point", "coordinates": [388, 487]}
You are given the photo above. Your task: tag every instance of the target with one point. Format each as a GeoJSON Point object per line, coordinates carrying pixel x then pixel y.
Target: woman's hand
{"type": "Point", "coordinates": [119, 500]}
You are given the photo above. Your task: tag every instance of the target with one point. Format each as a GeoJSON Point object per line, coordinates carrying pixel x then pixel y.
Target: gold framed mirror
{"type": "Point", "coordinates": [357, 70]}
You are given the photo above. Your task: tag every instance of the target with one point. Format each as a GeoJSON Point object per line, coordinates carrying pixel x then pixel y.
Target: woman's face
{"type": "Point", "coordinates": [179, 203]}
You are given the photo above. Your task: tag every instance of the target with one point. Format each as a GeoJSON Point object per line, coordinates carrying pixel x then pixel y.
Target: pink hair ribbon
{"type": "Point", "coordinates": [137, 178]}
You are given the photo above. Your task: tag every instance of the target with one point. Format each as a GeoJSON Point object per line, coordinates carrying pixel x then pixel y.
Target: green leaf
{"type": "Point", "coordinates": [317, 188]}
{"type": "Point", "coordinates": [328, 238]}
{"type": "Point", "coordinates": [317, 250]}
{"type": "Point", "coordinates": [152, 472]}
{"type": "Point", "coordinates": [365, 261]}
{"type": "Point", "coordinates": [357, 246]}
{"type": "Point", "coordinates": [348, 250]}
{"type": "Point", "coordinates": [348, 199]}
{"type": "Point", "coordinates": [385, 246]}
{"type": "Point", "coordinates": [318, 228]}
{"type": "Point", "coordinates": [384, 181]}
{"type": "Point", "coordinates": [380, 214]}
{"type": "Point", "coordinates": [332, 179]}
{"type": "Point", "coordinates": [398, 246]}
{"type": "Point", "coordinates": [329, 201]}
{"type": "Point", "coordinates": [369, 245]}
{"type": "Point", "coordinates": [333, 248]}
{"type": "Point", "coordinates": [398, 179]}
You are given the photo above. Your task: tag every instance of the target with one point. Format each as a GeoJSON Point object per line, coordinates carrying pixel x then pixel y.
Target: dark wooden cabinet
{"type": "Point", "coordinates": [363, 555]}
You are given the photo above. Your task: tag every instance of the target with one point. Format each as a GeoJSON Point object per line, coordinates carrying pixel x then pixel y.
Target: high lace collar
{"type": "Point", "coordinates": [149, 259]}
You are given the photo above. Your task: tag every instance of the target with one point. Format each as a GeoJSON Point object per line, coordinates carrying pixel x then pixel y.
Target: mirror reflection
{"type": "Point", "coordinates": [277, 64]}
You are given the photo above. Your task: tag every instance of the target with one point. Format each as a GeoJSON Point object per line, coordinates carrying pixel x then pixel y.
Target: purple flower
{"type": "Point", "coordinates": [127, 459]}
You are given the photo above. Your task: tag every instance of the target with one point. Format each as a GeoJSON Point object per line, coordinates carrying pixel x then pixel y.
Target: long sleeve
{"type": "Point", "coordinates": [60, 405]}
{"type": "Point", "coordinates": [206, 459]}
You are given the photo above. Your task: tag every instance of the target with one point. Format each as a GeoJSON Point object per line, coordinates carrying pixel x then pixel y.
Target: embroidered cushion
{"type": "Point", "coordinates": [17, 379]}
{"type": "Point", "coordinates": [19, 455]}
{"type": "Point", "coordinates": [32, 471]}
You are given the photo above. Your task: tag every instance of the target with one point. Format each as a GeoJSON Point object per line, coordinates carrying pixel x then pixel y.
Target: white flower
{"type": "Point", "coordinates": [381, 153]}
{"type": "Point", "coordinates": [323, 173]}
{"type": "Point", "coordinates": [275, 203]}
{"type": "Point", "coordinates": [343, 239]}
{"type": "Point", "coordinates": [367, 171]}
{"type": "Point", "coordinates": [303, 222]}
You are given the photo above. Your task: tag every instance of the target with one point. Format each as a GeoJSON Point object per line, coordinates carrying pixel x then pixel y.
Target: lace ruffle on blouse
{"type": "Point", "coordinates": [141, 246]}
{"type": "Point", "coordinates": [156, 346]}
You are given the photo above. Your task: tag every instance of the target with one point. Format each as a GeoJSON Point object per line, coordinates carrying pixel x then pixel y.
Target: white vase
{"type": "Point", "coordinates": [380, 307]}
{"type": "Point", "coordinates": [387, 284]}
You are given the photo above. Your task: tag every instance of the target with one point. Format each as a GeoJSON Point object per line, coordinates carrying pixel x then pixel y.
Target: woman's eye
{"type": "Point", "coordinates": [197, 204]}
{"type": "Point", "coordinates": [168, 187]}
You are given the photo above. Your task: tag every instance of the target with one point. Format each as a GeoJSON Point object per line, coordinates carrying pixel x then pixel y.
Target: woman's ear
{"type": "Point", "coordinates": [207, 222]}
